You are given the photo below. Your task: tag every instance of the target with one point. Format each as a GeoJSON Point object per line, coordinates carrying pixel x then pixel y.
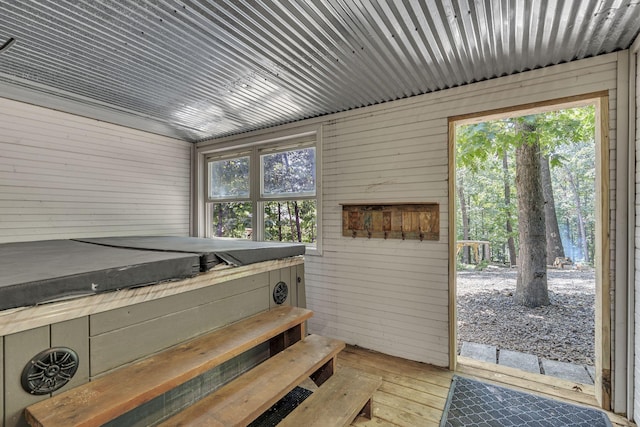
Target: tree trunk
{"type": "Point", "coordinates": [554, 242]}
{"type": "Point", "coordinates": [219, 227]}
{"type": "Point", "coordinates": [531, 285]}
{"type": "Point", "coordinates": [296, 209]}
{"type": "Point", "coordinates": [279, 222]}
{"type": "Point", "coordinates": [507, 203]}
{"type": "Point", "coordinates": [465, 221]}
{"type": "Point", "coordinates": [581, 229]}
{"type": "Point", "coordinates": [292, 223]}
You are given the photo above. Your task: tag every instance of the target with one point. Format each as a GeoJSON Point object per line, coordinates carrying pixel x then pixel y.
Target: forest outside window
{"type": "Point", "coordinates": [277, 183]}
{"type": "Point", "coordinates": [229, 190]}
{"type": "Point", "coordinates": [288, 195]}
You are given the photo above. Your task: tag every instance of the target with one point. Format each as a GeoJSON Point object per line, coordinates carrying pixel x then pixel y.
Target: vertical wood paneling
{"type": "Point", "coordinates": [19, 349]}
{"type": "Point", "coordinates": [392, 296]}
{"type": "Point", "coordinates": [64, 176]}
{"type": "Point", "coordinates": [2, 379]}
{"type": "Point", "coordinates": [74, 334]}
{"type": "Point", "coordinates": [301, 287]}
{"type": "Point", "coordinates": [636, 97]}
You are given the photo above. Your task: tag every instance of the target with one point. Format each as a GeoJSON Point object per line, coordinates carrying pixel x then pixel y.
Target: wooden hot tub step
{"type": "Point", "coordinates": [124, 389]}
{"type": "Point", "coordinates": [344, 396]}
{"type": "Point", "coordinates": [248, 396]}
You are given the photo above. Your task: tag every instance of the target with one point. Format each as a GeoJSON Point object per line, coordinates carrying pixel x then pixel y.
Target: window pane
{"type": "Point", "coordinates": [232, 220]}
{"type": "Point", "coordinates": [229, 178]}
{"type": "Point", "coordinates": [290, 221]}
{"type": "Point", "coordinates": [291, 172]}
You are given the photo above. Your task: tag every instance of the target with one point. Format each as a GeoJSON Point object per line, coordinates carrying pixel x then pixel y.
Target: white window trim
{"type": "Point", "coordinates": [255, 146]}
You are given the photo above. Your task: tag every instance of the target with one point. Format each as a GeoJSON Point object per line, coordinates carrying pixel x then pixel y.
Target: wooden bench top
{"type": "Point", "coordinates": [124, 389]}
{"type": "Point", "coordinates": [248, 396]}
{"type": "Point", "coordinates": [338, 402]}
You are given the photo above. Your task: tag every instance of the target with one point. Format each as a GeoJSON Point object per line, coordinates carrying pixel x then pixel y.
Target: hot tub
{"type": "Point", "coordinates": [111, 301]}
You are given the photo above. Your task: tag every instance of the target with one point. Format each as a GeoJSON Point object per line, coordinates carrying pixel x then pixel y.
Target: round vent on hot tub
{"type": "Point", "coordinates": [280, 293]}
{"type": "Point", "coordinates": [49, 370]}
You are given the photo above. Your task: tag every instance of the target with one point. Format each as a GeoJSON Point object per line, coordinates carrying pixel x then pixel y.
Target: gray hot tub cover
{"type": "Point", "coordinates": [37, 272]}
{"type": "Point", "coordinates": [212, 251]}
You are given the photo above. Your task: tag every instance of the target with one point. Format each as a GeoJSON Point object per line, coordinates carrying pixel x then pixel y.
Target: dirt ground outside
{"type": "Point", "coordinates": [562, 331]}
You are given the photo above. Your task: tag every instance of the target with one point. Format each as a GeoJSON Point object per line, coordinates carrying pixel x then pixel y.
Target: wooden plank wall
{"type": "Point", "coordinates": [392, 296]}
{"type": "Point", "coordinates": [636, 97]}
{"type": "Point", "coordinates": [65, 176]}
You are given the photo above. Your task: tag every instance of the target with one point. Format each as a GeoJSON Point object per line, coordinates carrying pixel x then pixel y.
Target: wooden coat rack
{"type": "Point", "coordinates": [412, 221]}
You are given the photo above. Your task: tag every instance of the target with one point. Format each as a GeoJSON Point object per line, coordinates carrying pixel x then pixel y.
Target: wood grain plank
{"type": "Point", "coordinates": [399, 417]}
{"type": "Point", "coordinates": [408, 406]}
{"type": "Point", "coordinates": [337, 402]}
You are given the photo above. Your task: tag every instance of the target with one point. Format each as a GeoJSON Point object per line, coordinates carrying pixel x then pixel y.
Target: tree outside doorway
{"type": "Point", "coordinates": [526, 185]}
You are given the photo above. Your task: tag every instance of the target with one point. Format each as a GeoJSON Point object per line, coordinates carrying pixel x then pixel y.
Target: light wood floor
{"type": "Point", "coordinates": [414, 394]}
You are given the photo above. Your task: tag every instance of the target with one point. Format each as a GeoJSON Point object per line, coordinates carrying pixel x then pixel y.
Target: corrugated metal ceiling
{"type": "Point", "coordinates": [209, 68]}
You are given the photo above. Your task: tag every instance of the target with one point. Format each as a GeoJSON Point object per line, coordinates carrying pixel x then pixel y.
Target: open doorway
{"type": "Point", "coordinates": [527, 253]}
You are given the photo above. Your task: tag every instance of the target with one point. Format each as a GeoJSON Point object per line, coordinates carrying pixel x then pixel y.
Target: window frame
{"type": "Point", "coordinates": [255, 150]}
{"type": "Point", "coordinates": [227, 156]}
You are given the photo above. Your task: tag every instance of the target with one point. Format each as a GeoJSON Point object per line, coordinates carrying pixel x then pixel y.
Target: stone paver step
{"type": "Point", "coordinates": [528, 362]}
{"type": "Point", "coordinates": [522, 361]}
{"type": "Point", "coordinates": [481, 352]}
{"type": "Point", "coordinates": [567, 371]}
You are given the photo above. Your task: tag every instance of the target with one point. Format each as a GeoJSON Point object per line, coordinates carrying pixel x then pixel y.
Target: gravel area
{"type": "Point", "coordinates": [562, 331]}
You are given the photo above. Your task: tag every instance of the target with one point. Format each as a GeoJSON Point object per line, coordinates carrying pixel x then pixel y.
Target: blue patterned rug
{"type": "Point", "coordinates": [474, 403]}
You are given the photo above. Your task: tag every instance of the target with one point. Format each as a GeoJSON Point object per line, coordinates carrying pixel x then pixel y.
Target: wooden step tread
{"type": "Point", "coordinates": [338, 402]}
{"type": "Point", "coordinates": [248, 396]}
{"type": "Point", "coordinates": [122, 390]}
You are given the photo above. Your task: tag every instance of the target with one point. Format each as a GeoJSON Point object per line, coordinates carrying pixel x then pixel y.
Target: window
{"type": "Point", "coordinates": [277, 182]}
{"type": "Point", "coordinates": [229, 178]}
{"type": "Point", "coordinates": [229, 187]}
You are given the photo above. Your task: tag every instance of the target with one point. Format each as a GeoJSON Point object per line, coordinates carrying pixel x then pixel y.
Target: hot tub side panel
{"type": "Point", "coordinates": [130, 333]}
{"type": "Point", "coordinates": [299, 280]}
{"type": "Point", "coordinates": [21, 347]}
{"type": "Point", "coordinates": [2, 379]}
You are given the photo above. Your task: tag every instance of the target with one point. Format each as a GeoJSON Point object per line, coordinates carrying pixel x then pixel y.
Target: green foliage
{"type": "Point", "coordinates": [566, 136]}
{"type": "Point", "coordinates": [232, 219]}
{"type": "Point", "coordinates": [288, 187]}
{"type": "Point", "coordinates": [229, 178]}
{"type": "Point", "coordinates": [291, 221]}
{"type": "Point", "coordinates": [290, 172]}
{"type": "Point", "coordinates": [482, 265]}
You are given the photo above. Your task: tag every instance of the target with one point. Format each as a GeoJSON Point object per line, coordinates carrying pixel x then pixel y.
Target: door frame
{"type": "Point", "coordinates": [602, 344]}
